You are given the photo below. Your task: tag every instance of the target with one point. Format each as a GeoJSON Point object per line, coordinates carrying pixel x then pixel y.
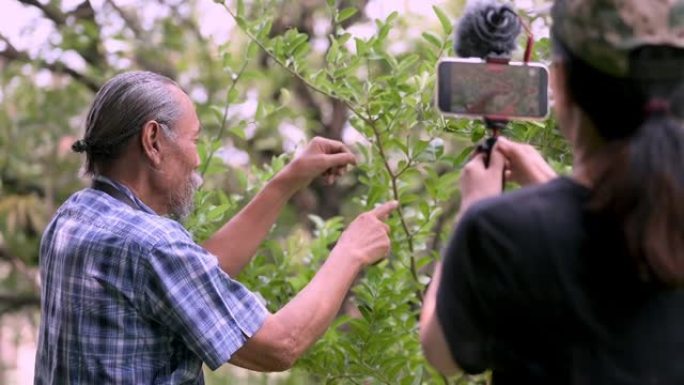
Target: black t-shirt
{"type": "Point", "coordinates": [540, 291]}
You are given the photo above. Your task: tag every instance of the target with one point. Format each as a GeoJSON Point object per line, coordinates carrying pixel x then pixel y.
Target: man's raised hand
{"type": "Point", "coordinates": [321, 157]}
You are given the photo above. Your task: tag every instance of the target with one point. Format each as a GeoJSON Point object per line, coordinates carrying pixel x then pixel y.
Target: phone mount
{"type": "Point", "coordinates": [496, 124]}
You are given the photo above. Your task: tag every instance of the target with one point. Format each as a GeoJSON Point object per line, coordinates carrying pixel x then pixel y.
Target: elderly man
{"type": "Point", "coordinates": [129, 298]}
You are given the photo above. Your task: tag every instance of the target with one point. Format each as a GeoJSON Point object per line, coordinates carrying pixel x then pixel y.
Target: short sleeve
{"type": "Point", "coordinates": [187, 292]}
{"type": "Point", "coordinates": [470, 287]}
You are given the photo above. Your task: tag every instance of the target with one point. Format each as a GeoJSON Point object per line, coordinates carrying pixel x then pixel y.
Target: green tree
{"type": "Point", "coordinates": [411, 154]}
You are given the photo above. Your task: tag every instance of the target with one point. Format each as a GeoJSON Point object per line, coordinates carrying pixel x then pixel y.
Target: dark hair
{"type": "Point", "coordinates": [120, 109]}
{"type": "Point", "coordinates": [642, 189]}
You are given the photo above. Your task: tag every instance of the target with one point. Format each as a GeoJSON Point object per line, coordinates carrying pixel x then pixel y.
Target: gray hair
{"type": "Point", "coordinates": [121, 108]}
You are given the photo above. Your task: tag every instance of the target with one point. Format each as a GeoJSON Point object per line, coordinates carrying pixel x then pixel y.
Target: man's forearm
{"type": "Point", "coordinates": [312, 311]}
{"type": "Point", "coordinates": [287, 334]}
{"type": "Point", "coordinates": [236, 242]}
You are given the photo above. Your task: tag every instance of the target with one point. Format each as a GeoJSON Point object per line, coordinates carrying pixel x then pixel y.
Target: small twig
{"type": "Point", "coordinates": [395, 193]}
{"type": "Point", "coordinates": [224, 119]}
{"type": "Point", "coordinates": [408, 165]}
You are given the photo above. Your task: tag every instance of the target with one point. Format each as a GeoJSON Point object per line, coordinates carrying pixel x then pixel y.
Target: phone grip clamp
{"type": "Point", "coordinates": [495, 125]}
{"type": "Point", "coordinates": [486, 146]}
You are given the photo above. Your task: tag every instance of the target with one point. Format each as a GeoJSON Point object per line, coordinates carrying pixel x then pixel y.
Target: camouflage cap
{"type": "Point", "coordinates": [603, 32]}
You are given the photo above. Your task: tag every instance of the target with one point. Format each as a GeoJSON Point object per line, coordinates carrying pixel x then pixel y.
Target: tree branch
{"type": "Point", "coordinates": [130, 20]}
{"type": "Point", "coordinates": [11, 302]}
{"type": "Point", "coordinates": [92, 52]}
{"type": "Point", "coordinates": [52, 13]}
{"type": "Point", "coordinates": [15, 302]}
{"type": "Point", "coordinates": [10, 53]}
{"type": "Point", "coordinates": [19, 265]}
{"type": "Point", "coordinates": [60, 67]}
{"type": "Point", "coordinates": [84, 12]}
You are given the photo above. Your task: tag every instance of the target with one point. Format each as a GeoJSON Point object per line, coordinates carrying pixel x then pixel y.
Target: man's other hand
{"type": "Point", "coordinates": [321, 157]}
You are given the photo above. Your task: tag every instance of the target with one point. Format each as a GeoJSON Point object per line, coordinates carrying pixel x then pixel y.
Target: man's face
{"type": "Point", "coordinates": [183, 160]}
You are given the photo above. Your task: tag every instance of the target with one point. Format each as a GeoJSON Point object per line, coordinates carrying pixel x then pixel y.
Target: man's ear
{"type": "Point", "coordinates": [150, 140]}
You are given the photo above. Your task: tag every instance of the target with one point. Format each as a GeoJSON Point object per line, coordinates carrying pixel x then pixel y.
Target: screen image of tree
{"type": "Point", "coordinates": [497, 89]}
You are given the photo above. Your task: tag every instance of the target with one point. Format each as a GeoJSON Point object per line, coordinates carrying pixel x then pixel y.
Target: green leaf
{"type": "Point", "coordinates": [241, 22]}
{"type": "Point", "coordinates": [239, 130]}
{"type": "Point", "coordinates": [299, 46]}
{"type": "Point", "coordinates": [344, 38]}
{"type": "Point", "coordinates": [432, 39]}
{"type": "Point", "coordinates": [383, 32]}
{"type": "Point", "coordinates": [463, 155]}
{"type": "Point", "coordinates": [265, 30]}
{"type": "Point", "coordinates": [361, 47]}
{"type": "Point", "coordinates": [215, 213]}
{"type": "Point", "coordinates": [392, 17]}
{"type": "Point", "coordinates": [218, 112]}
{"type": "Point", "coordinates": [233, 95]}
{"type": "Point", "coordinates": [408, 62]}
{"type": "Point", "coordinates": [444, 20]}
{"type": "Point", "coordinates": [285, 96]}
{"type": "Point", "coordinates": [252, 49]}
{"type": "Point", "coordinates": [299, 39]}
{"type": "Point", "coordinates": [346, 14]}
{"type": "Point", "coordinates": [333, 51]}
{"type": "Point", "coordinates": [418, 376]}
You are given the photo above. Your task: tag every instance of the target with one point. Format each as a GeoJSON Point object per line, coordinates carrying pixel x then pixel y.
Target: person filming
{"type": "Point", "coordinates": [579, 279]}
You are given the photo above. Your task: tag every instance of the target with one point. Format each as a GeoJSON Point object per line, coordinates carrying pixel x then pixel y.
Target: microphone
{"type": "Point", "coordinates": [487, 30]}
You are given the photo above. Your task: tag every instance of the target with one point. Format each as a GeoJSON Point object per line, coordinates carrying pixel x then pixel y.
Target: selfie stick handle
{"type": "Point", "coordinates": [495, 125]}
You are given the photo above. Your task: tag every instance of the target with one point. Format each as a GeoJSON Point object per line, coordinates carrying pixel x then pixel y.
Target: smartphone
{"type": "Point", "coordinates": [475, 88]}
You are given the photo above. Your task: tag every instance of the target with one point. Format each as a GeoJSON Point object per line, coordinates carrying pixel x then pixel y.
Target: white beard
{"type": "Point", "coordinates": [182, 201]}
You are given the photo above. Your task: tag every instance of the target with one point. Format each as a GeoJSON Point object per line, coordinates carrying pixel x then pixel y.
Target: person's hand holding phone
{"type": "Point", "coordinates": [479, 181]}
{"type": "Point", "coordinates": [524, 164]}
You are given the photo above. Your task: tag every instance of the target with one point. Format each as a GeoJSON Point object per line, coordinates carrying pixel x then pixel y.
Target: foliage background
{"type": "Point", "coordinates": [282, 72]}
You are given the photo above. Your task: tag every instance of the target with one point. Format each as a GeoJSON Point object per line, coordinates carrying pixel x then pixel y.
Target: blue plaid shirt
{"type": "Point", "coordinates": [129, 298]}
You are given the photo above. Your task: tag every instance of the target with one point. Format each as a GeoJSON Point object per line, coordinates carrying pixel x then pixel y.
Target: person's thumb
{"type": "Point", "coordinates": [497, 161]}
{"type": "Point", "coordinates": [504, 145]}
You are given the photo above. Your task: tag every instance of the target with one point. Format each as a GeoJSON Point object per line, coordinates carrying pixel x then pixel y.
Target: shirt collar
{"type": "Point", "coordinates": [125, 190]}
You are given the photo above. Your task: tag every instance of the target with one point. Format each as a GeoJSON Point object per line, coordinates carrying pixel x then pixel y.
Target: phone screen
{"type": "Point", "coordinates": [466, 87]}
